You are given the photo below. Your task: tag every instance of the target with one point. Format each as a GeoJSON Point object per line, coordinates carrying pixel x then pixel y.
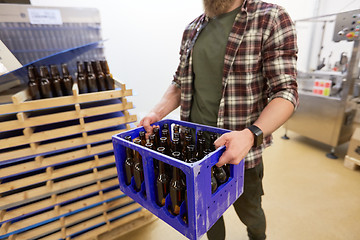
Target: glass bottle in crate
{"type": "Point", "coordinates": [184, 146]}
{"type": "Point", "coordinates": [157, 136]}
{"type": "Point", "coordinates": [138, 168]}
{"type": "Point", "coordinates": [213, 181]}
{"type": "Point", "coordinates": [129, 163]}
{"type": "Point", "coordinates": [162, 181]}
{"type": "Point", "coordinates": [200, 149]}
{"type": "Point", "coordinates": [165, 133]}
{"type": "Point", "coordinates": [190, 154]}
{"type": "Point", "coordinates": [142, 138]}
{"type": "Point", "coordinates": [177, 188]}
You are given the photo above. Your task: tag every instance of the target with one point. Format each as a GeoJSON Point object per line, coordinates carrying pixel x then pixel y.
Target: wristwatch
{"type": "Point", "coordinates": [258, 135]}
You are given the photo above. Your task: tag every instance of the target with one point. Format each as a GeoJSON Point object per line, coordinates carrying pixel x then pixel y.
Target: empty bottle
{"type": "Point", "coordinates": [109, 80]}
{"type": "Point", "coordinates": [200, 149]}
{"type": "Point", "coordinates": [129, 163]}
{"type": "Point", "coordinates": [190, 154]}
{"type": "Point", "coordinates": [142, 138]}
{"type": "Point", "coordinates": [32, 84]}
{"type": "Point", "coordinates": [162, 181]}
{"type": "Point", "coordinates": [220, 174]}
{"type": "Point", "coordinates": [138, 168]}
{"type": "Point", "coordinates": [91, 78]}
{"type": "Point", "coordinates": [213, 138]}
{"type": "Point", "coordinates": [56, 81]}
{"type": "Point", "coordinates": [100, 77]}
{"type": "Point", "coordinates": [213, 181]}
{"type": "Point", "coordinates": [165, 133]}
{"type": "Point", "coordinates": [45, 87]}
{"type": "Point", "coordinates": [177, 188]}
{"type": "Point", "coordinates": [81, 78]}
{"type": "Point", "coordinates": [157, 136]}
{"type": "Point", "coordinates": [176, 147]}
{"type": "Point", "coordinates": [184, 146]}
{"type": "Point", "coordinates": [67, 80]}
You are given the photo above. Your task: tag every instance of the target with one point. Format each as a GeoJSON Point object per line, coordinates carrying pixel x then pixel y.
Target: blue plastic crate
{"type": "Point", "coordinates": [204, 207]}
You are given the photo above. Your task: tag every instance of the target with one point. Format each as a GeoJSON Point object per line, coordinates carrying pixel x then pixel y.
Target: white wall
{"type": "Point", "coordinates": [144, 38]}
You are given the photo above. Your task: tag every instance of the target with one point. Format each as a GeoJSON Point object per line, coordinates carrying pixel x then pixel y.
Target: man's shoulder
{"type": "Point", "coordinates": [193, 24]}
{"type": "Point", "coordinates": [254, 6]}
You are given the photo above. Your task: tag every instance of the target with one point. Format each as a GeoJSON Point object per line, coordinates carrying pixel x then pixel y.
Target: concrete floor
{"type": "Point", "coordinates": [307, 196]}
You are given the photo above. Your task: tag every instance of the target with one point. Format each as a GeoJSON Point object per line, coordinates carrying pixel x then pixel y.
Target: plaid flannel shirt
{"type": "Point", "coordinates": [259, 65]}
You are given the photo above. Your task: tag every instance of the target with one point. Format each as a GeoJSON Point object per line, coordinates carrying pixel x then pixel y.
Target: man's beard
{"type": "Point", "coordinates": [217, 7]}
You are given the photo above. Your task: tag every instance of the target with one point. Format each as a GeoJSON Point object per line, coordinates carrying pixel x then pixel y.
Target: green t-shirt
{"type": "Point", "coordinates": [208, 64]}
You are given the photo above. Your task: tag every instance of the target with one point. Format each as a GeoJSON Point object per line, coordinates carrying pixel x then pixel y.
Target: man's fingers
{"type": "Point", "coordinates": [223, 159]}
{"type": "Point", "coordinates": [221, 141]}
{"type": "Point", "coordinates": [146, 124]}
{"type": "Point", "coordinates": [141, 123]}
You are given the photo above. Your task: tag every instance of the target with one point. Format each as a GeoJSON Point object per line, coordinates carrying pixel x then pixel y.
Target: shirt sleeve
{"type": "Point", "coordinates": [280, 58]}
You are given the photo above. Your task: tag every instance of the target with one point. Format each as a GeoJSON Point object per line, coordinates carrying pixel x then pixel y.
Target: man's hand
{"type": "Point", "coordinates": [238, 144]}
{"type": "Point", "coordinates": [149, 119]}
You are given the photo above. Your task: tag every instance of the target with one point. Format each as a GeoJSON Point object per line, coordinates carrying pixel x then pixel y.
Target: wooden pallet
{"type": "Point", "coordinates": [58, 177]}
{"type": "Point", "coordinates": [351, 163]}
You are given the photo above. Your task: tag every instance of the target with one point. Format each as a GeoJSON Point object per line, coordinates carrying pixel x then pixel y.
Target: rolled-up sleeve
{"type": "Point", "coordinates": [280, 58]}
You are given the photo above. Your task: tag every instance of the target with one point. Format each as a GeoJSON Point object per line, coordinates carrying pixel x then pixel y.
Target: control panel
{"type": "Point", "coordinates": [347, 26]}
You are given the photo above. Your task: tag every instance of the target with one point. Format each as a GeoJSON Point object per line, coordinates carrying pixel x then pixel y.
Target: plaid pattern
{"type": "Point", "coordinates": [259, 65]}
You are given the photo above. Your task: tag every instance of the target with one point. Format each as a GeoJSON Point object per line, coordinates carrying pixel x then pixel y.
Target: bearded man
{"type": "Point", "coordinates": [237, 71]}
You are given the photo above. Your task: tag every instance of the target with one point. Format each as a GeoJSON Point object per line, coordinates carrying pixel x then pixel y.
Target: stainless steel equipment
{"type": "Point", "coordinates": [329, 119]}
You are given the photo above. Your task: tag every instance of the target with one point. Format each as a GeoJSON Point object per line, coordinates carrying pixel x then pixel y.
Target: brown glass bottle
{"type": "Point", "coordinates": [220, 174]}
{"type": "Point", "coordinates": [165, 133]}
{"type": "Point", "coordinates": [138, 168]}
{"type": "Point", "coordinates": [191, 154]}
{"type": "Point", "coordinates": [185, 216]}
{"type": "Point", "coordinates": [164, 143]}
{"type": "Point", "coordinates": [100, 77]}
{"type": "Point", "coordinates": [45, 87]}
{"type": "Point", "coordinates": [184, 146]}
{"type": "Point", "coordinates": [213, 181]}
{"type": "Point", "coordinates": [199, 135]}
{"type": "Point", "coordinates": [81, 79]}
{"type": "Point", "coordinates": [91, 78]}
{"type": "Point", "coordinates": [109, 80]}
{"type": "Point", "coordinates": [162, 181]}
{"type": "Point", "coordinates": [129, 163]}
{"type": "Point", "coordinates": [176, 128]}
{"type": "Point", "coordinates": [177, 188]}
{"type": "Point", "coordinates": [157, 136]}
{"type": "Point", "coordinates": [37, 76]}
{"type": "Point", "coordinates": [166, 126]}
{"type": "Point", "coordinates": [67, 80]}
{"type": "Point", "coordinates": [33, 85]}
{"type": "Point", "coordinates": [176, 135]}
{"type": "Point", "coordinates": [176, 147]}
{"type": "Point", "coordinates": [213, 138]}
{"type": "Point", "coordinates": [142, 138]}
{"type": "Point", "coordinates": [56, 81]}
{"type": "Point", "coordinates": [200, 149]}
{"type": "Point", "coordinates": [152, 140]}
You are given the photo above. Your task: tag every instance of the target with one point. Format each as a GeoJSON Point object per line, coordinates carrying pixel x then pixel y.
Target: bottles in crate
{"type": "Point", "coordinates": [169, 183]}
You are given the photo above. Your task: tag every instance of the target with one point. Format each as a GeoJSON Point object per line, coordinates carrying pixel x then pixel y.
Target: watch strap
{"type": "Point", "coordinates": [258, 135]}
